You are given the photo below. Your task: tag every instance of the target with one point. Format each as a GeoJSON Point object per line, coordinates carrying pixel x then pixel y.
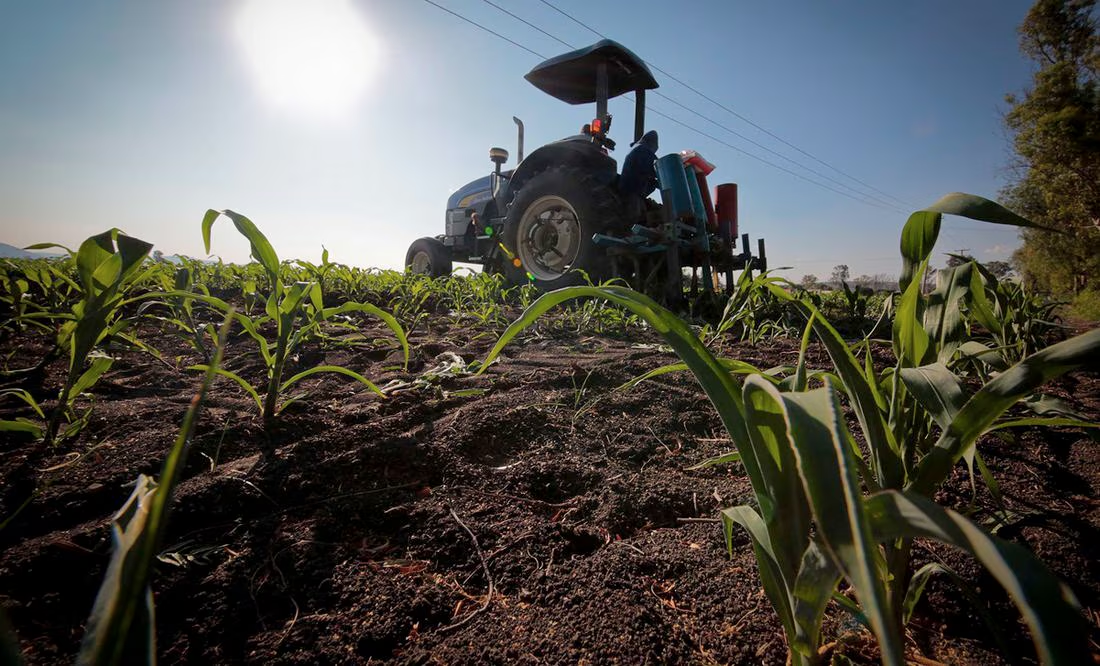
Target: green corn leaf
{"type": "Point", "coordinates": [121, 627]}
{"type": "Point", "coordinates": [330, 369]}
{"type": "Point", "coordinates": [986, 406]}
{"type": "Point", "coordinates": [316, 299]}
{"type": "Point", "coordinates": [990, 481]}
{"type": "Point", "coordinates": [133, 252]}
{"type": "Point", "coordinates": [912, 344]}
{"type": "Point", "coordinates": [732, 365]}
{"type": "Point", "coordinates": [723, 459]}
{"type": "Point", "coordinates": [852, 608]}
{"type": "Point", "coordinates": [213, 301]}
{"type": "Point", "coordinates": [937, 389]}
{"type": "Point", "coordinates": [981, 209]}
{"type": "Point", "coordinates": [1048, 606]}
{"type": "Point", "coordinates": [916, 588]}
{"type": "Point", "coordinates": [943, 318]}
{"type": "Point", "coordinates": [832, 486]}
{"type": "Point", "coordinates": [94, 263]}
{"type": "Point", "coordinates": [271, 306]}
{"type": "Point", "coordinates": [90, 376]}
{"type": "Point", "coordinates": [918, 237]}
{"type": "Point", "coordinates": [873, 380]}
{"type": "Point", "coordinates": [980, 307]}
{"type": "Point", "coordinates": [800, 379]}
{"type": "Point", "coordinates": [1044, 404]}
{"type": "Point", "coordinates": [774, 582]}
{"type": "Point", "coordinates": [26, 397]}
{"type": "Point", "coordinates": [262, 251]}
{"type": "Point", "coordinates": [973, 349]}
{"type": "Point", "coordinates": [783, 503]}
{"type": "Point", "coordinates": [1044, 421]}
{"type": "Point", "coordinates": [228, 374]}
{"type": "Point", "coordinates": [293, 298]}
{"type": "Point", "coordinates": [884, 452]}
{"type": "Point", "coordinates": [386, 317]}
{"type": "Point", "coordinates": [22, 425]}
{"type": "Point", "coordinates": [813, 589]}
{"type": "Point", "coordinates": [249, 327]}
{"type": "Point", "coordinates": [105, 260]}
{"type": "Point", "coordinates": [48, 246]}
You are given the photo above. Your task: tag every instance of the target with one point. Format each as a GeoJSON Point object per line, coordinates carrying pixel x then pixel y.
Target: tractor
{"type": "Point", "coordinates": [558, 218]}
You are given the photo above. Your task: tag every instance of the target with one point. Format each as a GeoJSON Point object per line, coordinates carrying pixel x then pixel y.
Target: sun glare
{"type": "Point", "coordinates": [313, 57]}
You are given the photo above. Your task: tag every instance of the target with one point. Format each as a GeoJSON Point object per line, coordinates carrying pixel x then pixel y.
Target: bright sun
{"type": "Point", "coordinates": [314, 57]}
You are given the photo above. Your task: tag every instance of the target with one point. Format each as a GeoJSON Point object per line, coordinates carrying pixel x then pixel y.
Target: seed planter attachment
{"type": "Point", "coordinates": [691, 232]}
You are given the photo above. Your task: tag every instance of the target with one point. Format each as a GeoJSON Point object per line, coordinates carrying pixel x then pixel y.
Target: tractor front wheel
{"type": "Point", "coordinates": [428, 256]}
{"type": "Point", "coordinates": [549, 229]}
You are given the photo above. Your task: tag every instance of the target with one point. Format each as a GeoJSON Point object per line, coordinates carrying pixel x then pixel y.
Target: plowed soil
{"type": "Point", "coordinates": [534, 514]}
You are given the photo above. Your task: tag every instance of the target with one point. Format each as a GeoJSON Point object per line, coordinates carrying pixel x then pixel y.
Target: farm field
{"type": "Point", "coordinates": [659, 352]}
{"type": "Point", "coordinates": [423, 482]}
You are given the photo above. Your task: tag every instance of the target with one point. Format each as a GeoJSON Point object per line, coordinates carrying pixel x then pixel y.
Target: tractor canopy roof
{"type": "Point", "coordinates": [571, 77]}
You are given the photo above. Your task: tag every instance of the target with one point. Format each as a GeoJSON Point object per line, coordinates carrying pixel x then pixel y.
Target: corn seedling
{"type": "Point", "coordinates": [752, 314]}
{"type": "Point", "coordinates": [1017, 321]}
{"type": "Point", "coordinates": [181, 309]}
{"type": "Point", "coordinates": [297, 312]}
{"type": "Point", "coordinates": [107, 265]}
{"type": "Point", "coordinates": [318, 273]}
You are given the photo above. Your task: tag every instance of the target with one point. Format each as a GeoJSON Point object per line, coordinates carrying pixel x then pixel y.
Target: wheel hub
{"type": "Point", "coordinates": [549, 237]}
{"type": "Point", "coordinates": [421, 263]}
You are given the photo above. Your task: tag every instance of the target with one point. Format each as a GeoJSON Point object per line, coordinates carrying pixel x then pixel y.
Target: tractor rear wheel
{"type": "Point", "coordinates": [428, 256]}
{"type": "Point", "coordinates": [549, 229]}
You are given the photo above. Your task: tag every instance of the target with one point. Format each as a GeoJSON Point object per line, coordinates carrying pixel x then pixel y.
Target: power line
{"type": "Point", "coordinates": [860, 197]}
{"type": "Point", "coordinates": [700, 132]}
{"type": "Point", "coordinates": [732, 112]}
{"type": "Point", "coordinates": [871, 197]}
{"type": "Point", "coordinates": [492, 32]}
{"type": "Point", "coordinates": [528, 23]}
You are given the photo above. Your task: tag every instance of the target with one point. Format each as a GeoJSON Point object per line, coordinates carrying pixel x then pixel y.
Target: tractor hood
{"type": "Point", "coordinates": [571, 77]}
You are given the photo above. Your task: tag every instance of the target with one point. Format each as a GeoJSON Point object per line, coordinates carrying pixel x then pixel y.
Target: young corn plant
{"type": "Point", "coordinates": [319, 273]}
{"type": "Point", "coordinates": [296, 311]}
{"type": "Point", "coordinates": [14, 286]}
{"type": "Point", "coordinates": [40, 285]}
{"type": "Point", "coordinates": [181, 309]}
{"type": "Point", "coordinates": [812, 525]}
{"type": "Point", "coordinates": [107, 265]}
{"type": "Point", "coordinates": [907, 412]}
{"type": "Point", "coordinates": [752, 314]}
{"type": "Point", "coordinates": [1018, 322]}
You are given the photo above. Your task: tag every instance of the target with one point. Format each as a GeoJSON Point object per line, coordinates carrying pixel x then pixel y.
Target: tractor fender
{"type": "Point", "coordinates": [577, 152]}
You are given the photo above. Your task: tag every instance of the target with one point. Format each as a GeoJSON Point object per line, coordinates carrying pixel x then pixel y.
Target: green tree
{"type": "Point", "coordinates": [1055, 128]}
{"type": "Point", "coordinates": [999, 269]}
{"type": "Point", "coordinates": [840, 274]}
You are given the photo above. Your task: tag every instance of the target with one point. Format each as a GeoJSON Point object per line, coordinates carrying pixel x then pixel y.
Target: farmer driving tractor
{"type": "Point", "coordinates": [639, 177]}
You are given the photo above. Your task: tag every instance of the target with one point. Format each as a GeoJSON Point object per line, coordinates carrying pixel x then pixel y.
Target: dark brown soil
{"type": "Point", "coordinates": [549, 519]}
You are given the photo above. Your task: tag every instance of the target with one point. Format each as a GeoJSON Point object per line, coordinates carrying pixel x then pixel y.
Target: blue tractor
{"type": "Point", "coordinates": [559, 215]}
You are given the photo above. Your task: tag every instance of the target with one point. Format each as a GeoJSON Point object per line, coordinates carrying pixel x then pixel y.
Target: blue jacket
{"type": "Point", "coordinates": [639, 176]}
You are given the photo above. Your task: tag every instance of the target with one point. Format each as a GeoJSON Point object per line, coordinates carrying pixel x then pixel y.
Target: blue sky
{"type": "Point", "coordinates": [141, 115]}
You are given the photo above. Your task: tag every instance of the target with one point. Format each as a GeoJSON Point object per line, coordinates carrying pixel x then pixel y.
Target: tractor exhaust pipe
{"type": "Point", "coordinates": [519, 148]}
